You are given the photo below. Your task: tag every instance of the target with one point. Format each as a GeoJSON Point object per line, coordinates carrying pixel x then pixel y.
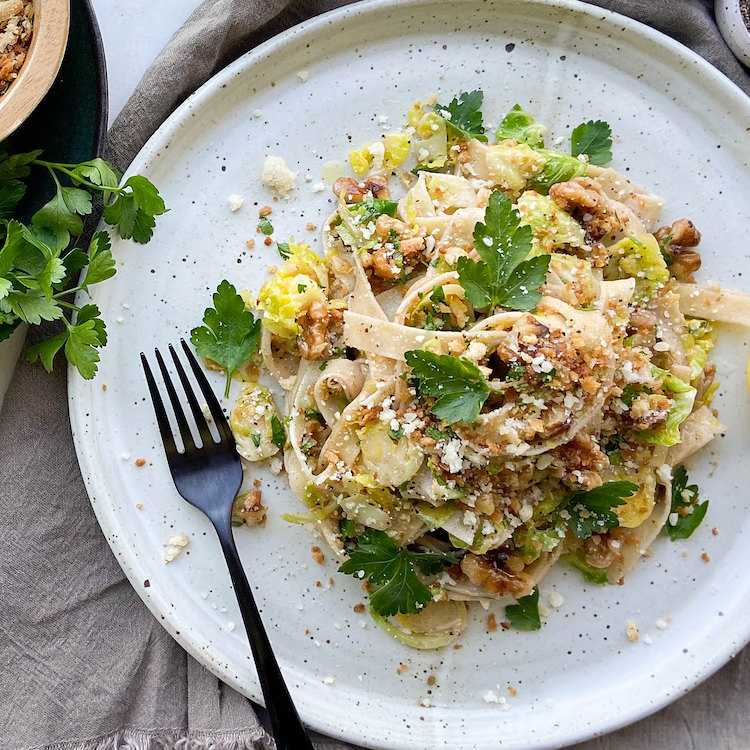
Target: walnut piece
{"type": "Point", "coordinates": [585, 200]}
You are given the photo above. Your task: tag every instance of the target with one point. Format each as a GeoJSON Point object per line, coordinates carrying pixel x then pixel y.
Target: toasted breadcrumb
{"type": "Point", "coordinates": [318, 555]}
{"type": "Point", "coordinates": [16, 30]}
{"type": "Point", "coordinates": [631, 630]}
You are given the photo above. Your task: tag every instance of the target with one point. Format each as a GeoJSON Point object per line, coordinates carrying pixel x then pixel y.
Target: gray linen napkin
{"type": "Point", "coordinates": [85, 666]}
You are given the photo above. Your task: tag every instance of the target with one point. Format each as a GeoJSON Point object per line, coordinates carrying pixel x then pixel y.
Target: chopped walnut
{"type": "Point", "coordinates": [247, 509]}
{"type": "Point", "coordinates": [494, 579]}
{"type": "Point", "coordinates": [580, 461]}
{"type": "Point", "coordinates": [384, 265]}
{"type": "Point", "coordinates": [314, 324]}
{"type": "Point", "coordinates": [354, 192]}
{"type": "Point", "coordinates": [649, 411]}
{"type": "Point", "coordinates": [585, 200]}
{"type": "Point", "coordinates": [677, 240]}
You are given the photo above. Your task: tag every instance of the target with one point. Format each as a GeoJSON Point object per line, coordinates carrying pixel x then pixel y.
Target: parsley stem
{"type": "Point", "coordinates": [65, 293]}
{"type": "Point", "coordinates": [68, 305]}
{"type": "Point", "coordinates": [79, 180]}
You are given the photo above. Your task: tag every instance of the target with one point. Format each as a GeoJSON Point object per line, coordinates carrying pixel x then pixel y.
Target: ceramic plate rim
{"type": "Point", "coordinates": [132, 566]}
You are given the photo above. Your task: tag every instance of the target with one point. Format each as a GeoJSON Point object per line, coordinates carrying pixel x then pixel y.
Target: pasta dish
{"type": "Point", "coordinates": [499, 364]}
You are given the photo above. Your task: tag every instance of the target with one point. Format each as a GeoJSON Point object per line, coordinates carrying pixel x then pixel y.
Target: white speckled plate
{"type": "Point", "coordinates": [680, 130]}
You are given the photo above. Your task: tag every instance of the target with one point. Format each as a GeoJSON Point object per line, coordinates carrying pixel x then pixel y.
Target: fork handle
{"type": "Point", "coordinates": [286, 726]}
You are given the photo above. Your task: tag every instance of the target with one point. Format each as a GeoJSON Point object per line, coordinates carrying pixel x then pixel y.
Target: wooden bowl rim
{"type": "Point", "coordinates": [45, 56]}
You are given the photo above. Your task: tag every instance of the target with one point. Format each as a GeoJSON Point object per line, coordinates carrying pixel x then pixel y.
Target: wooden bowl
{"type": "Point", "coordinates": [48, 43]}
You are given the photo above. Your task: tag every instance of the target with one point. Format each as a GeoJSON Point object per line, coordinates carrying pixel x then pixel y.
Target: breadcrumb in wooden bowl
{"type": "Point", "coordinates": [33, 38]}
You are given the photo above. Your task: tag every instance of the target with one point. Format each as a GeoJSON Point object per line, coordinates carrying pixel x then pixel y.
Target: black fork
{"type": "Point", "coordinates": [209, 476]}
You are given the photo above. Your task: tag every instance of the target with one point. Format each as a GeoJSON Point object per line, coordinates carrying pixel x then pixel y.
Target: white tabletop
{"type": "Point", "coordinates": [134, 32]}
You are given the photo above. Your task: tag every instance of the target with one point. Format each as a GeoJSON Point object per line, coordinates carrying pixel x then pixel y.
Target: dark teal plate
{"type": "Point", "coordinates": [71, 121]}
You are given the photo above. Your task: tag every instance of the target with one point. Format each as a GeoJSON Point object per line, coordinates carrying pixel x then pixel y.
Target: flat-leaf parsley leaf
{"type": "Point", "coordinates": [457, 385]}
{"type": "Point", "coordinates": [231, 333]}
{"type": "Point", "coordinates": [503, 277]}
{"type": "Point", "coordinates": [592, 138]}
{"type": "Point", "coordinates": [464, 115]}
{"type": "Point", "coordinates": [524, 615]}
{"type": "Point", "coordinates": [377, 558]}
{"type": "Point", "coordinates": [591, 510]}
{"type": "Point", "coordinates": [685, 506]}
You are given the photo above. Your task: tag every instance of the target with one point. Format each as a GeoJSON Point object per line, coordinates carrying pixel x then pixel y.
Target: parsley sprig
{"type": "Point", "coordinates": [377, 558]}
{"type": "Point", "coordinates": [38, 262]}
{"type": "Point", "coordinates": [591, 510]}
{"type": "Point", "coordinates": [524, 614]}
{"type": "Point", "coordinates": [685, 504]}
{"type": "Point", "coordinates": [457, 385]}
{"type": "Point", "coordinates": [230, 334]}
{"type": "Point", "coordinates": [464, 115]}
{"type": "Point", "coordinates": [592, 138]}
{"type": "Point", "coordinates": [503, 276]}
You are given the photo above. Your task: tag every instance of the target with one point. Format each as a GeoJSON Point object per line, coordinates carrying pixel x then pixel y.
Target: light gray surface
{"type": "Point", "coordinates": [85, 665]}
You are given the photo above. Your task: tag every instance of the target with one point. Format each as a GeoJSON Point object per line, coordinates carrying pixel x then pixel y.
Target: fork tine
{"type": "Point", "coordinates": [213, 403]}
{"type": "Point", "coordinates": [161, 415]}
{"type": "Point", "coordinates": [182, 423]}
{"type": "Point", "coordinates": [200, 418]}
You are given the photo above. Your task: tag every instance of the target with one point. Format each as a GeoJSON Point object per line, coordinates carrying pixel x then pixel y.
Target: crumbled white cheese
{"type": "Point", "coordinates": [664, 472]}
{"type": "Point", "coordinates": [257, 113]}
{"type": "Point", "coordinates": [475, 352]}
{"type": "Point", "coordinates": [235, 202]}
{"type": "Point", "coordinates": [277, 176]}
{"type": "Point", "coordinates": [329, 680]}
{"type": "Point", "coordinates": [175, 546]}
{"type": "Point", "coordinates": [661, 624]}
{"type": "Point", "coordinates": [425, 702]}
{"type": "Point", "coordinates": [452, 455]}
{"type": "Point", "coordinates": [491, 697]}
{"type": "Point", "coordinates": [661, 346]}
{"type": "Point", "coordinates": [555, 600]}
{"type": "Point", "coordinates": [318, 187]}
{"type": "Point", "coordinates": [377, 152]}
{"type": "Point", "coordinates": [276, 465]}
{"type": "Point", "coordinates": [303, 75]}
{"type": "Point", "coordinates": [231, 625]}
{"type": "Point", "coordinates": [673, 519]}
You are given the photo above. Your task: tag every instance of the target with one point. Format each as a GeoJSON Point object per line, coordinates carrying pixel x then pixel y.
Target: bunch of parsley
{"type": "Point", "coordinates": [40, 261]}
